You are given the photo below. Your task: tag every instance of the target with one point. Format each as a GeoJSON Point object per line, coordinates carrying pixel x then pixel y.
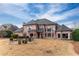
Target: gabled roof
{"type": "Point", "coordinates": [46, 21]}
{"type": "Point", "coordinates": [63, 28]}
{"type": "Point", "coordinates": [19, 30]}
{"type": "Point", "coordinates": [40, 21]}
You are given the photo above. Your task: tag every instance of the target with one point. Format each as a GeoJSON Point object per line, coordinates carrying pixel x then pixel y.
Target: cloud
{"type": "Point", "coordinates": [61, 13]}
{"type": "Point", "coordinates": [50, 14]}
{"type": "Point", "coordinates": [70, 24]}
{"type": "Point", "coordinates": [14, 10]}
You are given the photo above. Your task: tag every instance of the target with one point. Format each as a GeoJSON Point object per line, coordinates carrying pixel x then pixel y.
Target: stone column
{"type": "Point", "coordinates": [68, 35]}
{"type": "Point", "coordinates": [61, 35]}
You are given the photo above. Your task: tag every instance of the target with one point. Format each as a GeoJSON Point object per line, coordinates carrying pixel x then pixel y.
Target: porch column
{"type": "Point", "coordinates": [43, 34]}
{"type": "Point", "coordinates": [54, 35]}
{"type": "Point", "coordinates": [69, 35]}
{"type": "Point", "coordinates": [51, 34]}
{"type": "Point", "coordinates": [61, 36]}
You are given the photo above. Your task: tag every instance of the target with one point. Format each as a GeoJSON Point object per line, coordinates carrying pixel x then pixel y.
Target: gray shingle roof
{"type": "Point", "coordinates": [46, 21]}
{"type": "Point", "coordinates": [31, 22]}
{"type": "Point", "coordinates": [63, 28]}
{"type": "Point", "coordinates": [40, 21]}
{"type": "Point", "coordinates": [19, 30]}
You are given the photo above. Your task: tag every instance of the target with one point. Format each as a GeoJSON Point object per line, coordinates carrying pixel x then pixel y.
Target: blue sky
{"type": "Point", "coordinates": [17, 13]}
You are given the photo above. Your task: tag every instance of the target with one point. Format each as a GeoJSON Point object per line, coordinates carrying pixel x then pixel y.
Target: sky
{"type": "Point", "coordinates": [61, 13]}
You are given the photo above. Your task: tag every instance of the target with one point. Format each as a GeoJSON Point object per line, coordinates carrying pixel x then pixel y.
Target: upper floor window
{"type": "Point", "coordinates": [29, 29]}
{"type": "Point", "coordinates": [49, 30]}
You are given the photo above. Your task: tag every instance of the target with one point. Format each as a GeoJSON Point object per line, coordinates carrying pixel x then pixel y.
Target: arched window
{"type": "Point", "coordinates": [31, 35]}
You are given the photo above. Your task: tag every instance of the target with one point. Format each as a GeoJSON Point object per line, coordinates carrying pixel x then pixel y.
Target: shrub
{"type": "Point", "coordinates": [19, 41]}
{"type": "Point", "coordinates": [75, 35]}
{"type": "Point", "coordinates": [11, 38]}
{"type": "Point", "coordinates": [21, 37]}
{"type": "Point", "coordinates": [9, 33]}
{"type": "Point", "coordinates": [30, 39]}
{"type": "Point", "coordinates": [6, 33]}
{"type": "Point", "coordinates": [24, 41]}
{"type": "Point", "coordinates": [14, 36]}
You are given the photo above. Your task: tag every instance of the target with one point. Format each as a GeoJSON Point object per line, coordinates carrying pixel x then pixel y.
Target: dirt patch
{"type": "Point", "coordinates": [76, 47]}
{"type": "Point", "coordinates": [42, 47]}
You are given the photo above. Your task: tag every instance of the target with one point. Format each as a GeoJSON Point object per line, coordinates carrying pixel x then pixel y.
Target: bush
{"type": "Point", "coordinates": [9, 33]}
{"type": "Point", "coordinates": [6, 33]}
{"type": "Point", "coordinates": [11, 38]}
{"type": "Point", "coordinates": [19, 41]}
{"type": "Point", "coordinates": [14, 36]}
{"type": "Point", "coordinates": [21, 37]}
{"type": "Point", "coordinates": [75, 35]}
{"type": "Point", "coordinates": [24, 41]}
{"type": "Point", "coordinates": [30, 39]}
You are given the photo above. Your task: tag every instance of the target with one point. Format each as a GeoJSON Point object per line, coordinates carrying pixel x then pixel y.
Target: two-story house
{"type": "Point", "coordinates": [43, 28]}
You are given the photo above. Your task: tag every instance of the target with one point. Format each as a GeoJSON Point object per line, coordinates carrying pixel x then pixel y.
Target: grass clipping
{"type": "Point", "coordinates": [42, 47]}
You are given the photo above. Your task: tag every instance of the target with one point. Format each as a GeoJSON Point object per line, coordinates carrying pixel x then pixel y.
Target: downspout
{"type": "Point", "coordinates": [61, 33]}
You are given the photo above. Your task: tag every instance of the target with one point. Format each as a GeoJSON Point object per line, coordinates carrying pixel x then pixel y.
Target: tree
{"type": "Point", "coordinates": [75, 35]}
{"type": "Point", "coordinates": [6, 33]}
{"type": "Point", "coordinates": [14, 36]}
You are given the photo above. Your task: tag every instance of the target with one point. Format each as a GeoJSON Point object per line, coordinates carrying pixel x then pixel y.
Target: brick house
{"type": "Point", "coordinates": [43, 28]}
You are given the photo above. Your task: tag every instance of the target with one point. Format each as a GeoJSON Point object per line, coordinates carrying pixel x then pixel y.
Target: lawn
{"type": "Point", "coordinates": [38, 47]}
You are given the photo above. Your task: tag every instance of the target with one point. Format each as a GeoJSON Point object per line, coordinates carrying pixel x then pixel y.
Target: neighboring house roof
{"type": "Point", "coordinates": [63, 28]}
{"type": "Point", "coordinates": [40, 21]}
{"type": "Point", "coordinates": [19, 30]}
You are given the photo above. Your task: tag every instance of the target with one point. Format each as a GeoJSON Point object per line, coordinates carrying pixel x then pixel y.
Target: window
{"type": "Point", "coordinates": [31, 35]}
{"type": "Point", "coordinates": [65, 35]}
{"type": "Point", "coordinates": [29, 30]}
{"type": "Point", "coordinates": [49, 30]}
{"type": "Point", "coordinates": [58, 35]}
{"type": "Point", "coordinates": [49, 34]}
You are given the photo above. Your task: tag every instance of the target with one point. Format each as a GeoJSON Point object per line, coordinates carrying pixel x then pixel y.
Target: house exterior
{"type": "Point", "coordinates": [43, 28]}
